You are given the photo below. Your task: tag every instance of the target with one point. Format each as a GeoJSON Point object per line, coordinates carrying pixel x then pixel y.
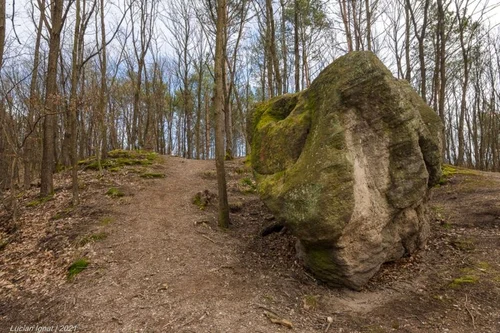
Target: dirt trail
{"type": "Point", "coordinates": [166, 267]}
{"type": "Point", "coordinates": [158, 270]}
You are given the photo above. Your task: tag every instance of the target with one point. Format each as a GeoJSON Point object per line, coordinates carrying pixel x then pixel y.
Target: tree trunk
{"type": "Point", "coordinates": [207, 126]}
{"type": "Point", "coordinates": [103, 92]}
{"type": "Point", "coordinates": [272, 46]}
{"type": "Point", "coordinates": [51, 100]}
{"type": "Point", "coordinates": [73, 107]}
{"type": "Point", "coordinates": [219, 113]}
{"type": "Point", "coordinates": [442, 68]}
{"type": "Point", "coordinates": [296, 45]}
{"type": "Point", "coordinates": [344, 12]}
{"type": "Point", "coordinates": [368, 25]}
{"type": "Point", "coordinates": [284, 49]}
{"type": "Point", "coordinates": [2, 31]}
{"type": "Point", "coordinates": [407, 42]}
{"type": "Point", "coordinates": [34, 102]}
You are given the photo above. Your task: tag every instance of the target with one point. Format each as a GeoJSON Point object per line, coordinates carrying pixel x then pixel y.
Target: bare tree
{"type": "Point", "coordinates": [2, 31]}
{"type": "Point", "coordinates": [219, 112]}
{"type": "Point", "coordinates": [51, 95]}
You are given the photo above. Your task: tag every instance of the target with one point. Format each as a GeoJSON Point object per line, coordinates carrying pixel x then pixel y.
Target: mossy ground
{"type": "Point", "coordinates": [118, 159]}
{"type": "Point", "coordinates": [77, 267]}
{"type": "Point", "coordinates": [40, 201]}
{"type": "Point", "coordinates": [115, 192]}
{"type": "Point", "coordinates": [93, 238]}
{"type": "Point", "coordinates": [152, 175]}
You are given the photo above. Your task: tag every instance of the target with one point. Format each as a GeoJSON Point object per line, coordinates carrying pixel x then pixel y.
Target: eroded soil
{"type": "Point", "coordinates": [158, 263]}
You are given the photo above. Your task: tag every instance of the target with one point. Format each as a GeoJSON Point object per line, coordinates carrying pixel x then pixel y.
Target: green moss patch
{"type": "Point", "coordinates": [117, 159]}
{"type": "Point", "coordinates": [93, 238]}
{"type": "Point", "coordinates": [247, 185]}
{"type": "Point", "coordinates": [466, 245]}
{"type": "Point", "coordinates": [4, 243]}
{"type": "Point", "coordinates": [114, 192]}
{"type": "Point", "coordinates": [235, 207]}
{"type": "Point", "coordinates": [152, 175]}
{"type": "Point", "coordinates": [107, 220]}
{"type": "Point", "coordinates": [40, 201]}
{"type": "Point", "coordinates": [468, 279]}
{"type": "Point", "coordinates": [310, 302]}
{"type": "Point", "coordinates": [62, 214]}
{"type": "Point", "coordinates": [448, 171]}
{"type": "Point", "coordinates": [77, 267]}
{"type": "Point", "coordinates": [203, 199]}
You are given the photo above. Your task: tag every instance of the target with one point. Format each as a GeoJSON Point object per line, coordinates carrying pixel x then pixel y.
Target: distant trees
{"type": "Point", "coordinates": [98, 75]}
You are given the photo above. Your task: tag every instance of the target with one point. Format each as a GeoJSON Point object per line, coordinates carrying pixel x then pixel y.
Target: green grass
{"type": "Point", "coordinates": [77, 267]}
{"type": "Point", "coordinates": [107, 220]}
{"type": "Point", "coordinates": [117, 159]}
{"type": "Point", "coordinates": [4, 243]}
{"type": "Point", "coordinates": [114, 192]}
{"type": "Point", "coordinates": [469, 279]}
{"type": "Point", "coordinates": [40, 201]}
{"type": "Point", "coordinates": [93, 238]}
{"type": "Point", "coordinates": [449, 171]}
{"type": "Point", "coordinates": [152, 175]}
{"type": "Point", "coordinates": [247, 185]}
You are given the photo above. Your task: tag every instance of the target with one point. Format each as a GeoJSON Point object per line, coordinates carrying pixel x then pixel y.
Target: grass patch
{"type": "Point", "coordinates": [240, 171]}
{"type": "Point", "coordinates": [449, 171]}
{"type": "Point", "coordinates": [203, 199]}
{"type": "Point", "coordinates": [114, 192]}
{"type": "Point", "coordinates": [93, 238]}
{"type": "Point", "coordinates": [62, 214]}
{"type": "Point", "coordinates": [210, 174]}
{"type": "Point", "coordinates": [107, 220]}
{"type": "Point", "coordinates": [310, 302]}
{"type": "Point", "coordinates": [483, 265]}
{"type": "Point", "coordinates": [77, 267]}
{"type": "Point", "coordinates": [152, 175]}
{"type": "Point", "coordinates": [118, 159]}
{"type": "Point", "coordinates": [4, 243]}
{"type": "Point", "coordinates": [470, 279]}
{"type": "Point", "coordinates": [248, 185]}
{"type": "Point", "coordinates": [235, 207]}
{"type": "Point", "coordinates": [446, 225]}
{"type": "Point", "coordinates": [465, 245]}
{"type": "Point", "coordinates": [40, 201]}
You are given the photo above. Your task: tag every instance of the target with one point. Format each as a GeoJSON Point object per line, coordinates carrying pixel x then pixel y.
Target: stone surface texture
{"type": "Point", "coordinates": [347, 165]}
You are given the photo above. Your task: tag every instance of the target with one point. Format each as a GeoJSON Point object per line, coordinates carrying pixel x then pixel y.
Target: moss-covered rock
{"type": "Point", "coordinates": [347, 165]}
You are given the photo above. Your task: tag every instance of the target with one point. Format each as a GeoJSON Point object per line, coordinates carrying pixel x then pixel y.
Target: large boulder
{"type": "Point", "coordinates": [347, 165]}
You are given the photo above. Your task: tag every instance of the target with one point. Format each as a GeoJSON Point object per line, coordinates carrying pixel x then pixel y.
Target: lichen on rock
{"type": "Point", "coordinates": [347, 165]}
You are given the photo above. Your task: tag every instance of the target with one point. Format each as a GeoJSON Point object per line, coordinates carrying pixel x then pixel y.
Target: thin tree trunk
{"type": "Point", "coordinates": [407, 42]}
{"type": "Point", "coordinates": [51, 100]}
{"type": "Point", "coordinates": [103, 92]}
{"type": "Point", "coordinates": [207, 126]}
{"type": "Point", "coordinates": [442, 68]}
{"type": "Point", "coordinates": [368, 25]}
{"type": "Point", "coordinates": [344, 11]}
{"type": "Point", "coordinates": [284, 49]}
{"type": "Point", "coordinates": [73, 108]}
{"type": "Point", "coordinates": [272, 47]}
{"type": "Point", "coordinates": [219, 113]}
{"type": "Point", "coordinates": [34, 102]}
{"type": "Point", "coordinates": [2, 31]}
{"type": "Point", "coordinates": [296, 45]}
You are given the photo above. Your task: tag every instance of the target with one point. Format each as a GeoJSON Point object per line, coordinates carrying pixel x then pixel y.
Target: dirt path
{"type": "Point", "coordinates": [166, 267]}
{"type": "Point", "coordinates": [158, 270]}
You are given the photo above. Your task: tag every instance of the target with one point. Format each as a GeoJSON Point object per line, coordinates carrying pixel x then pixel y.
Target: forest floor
{"type": "Point", "coordinates": [157, 262]}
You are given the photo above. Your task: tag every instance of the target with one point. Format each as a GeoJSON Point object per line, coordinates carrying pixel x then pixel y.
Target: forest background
{"type": "Point", "coordinates": [80, 78]}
